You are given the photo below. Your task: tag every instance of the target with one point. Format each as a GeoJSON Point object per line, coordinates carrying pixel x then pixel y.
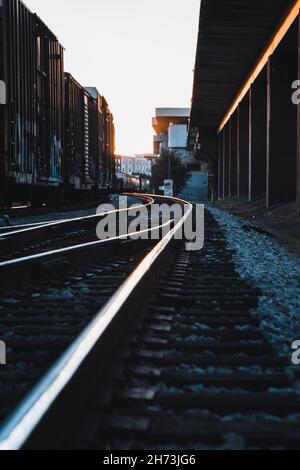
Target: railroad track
{"type": "Point", "coordinates": [174, 360]}
{"type": "Point", "coordinates": [59, 296]}
{"type": "Point", "coordinates": [26, 240]}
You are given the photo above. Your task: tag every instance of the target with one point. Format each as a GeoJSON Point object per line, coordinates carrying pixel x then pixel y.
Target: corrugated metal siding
{"type": "Point", "coordinates": [109, 144]}
{"type": "Point", "coordinates": [111, 151]}
{"type": "Point", "coordinates": [84, 135]}
{"type": "Point", "coordinates": [74, 131]}
{"type": "Point", "coordinates": [20, 80]}
{"type": "Point", "coordinates": [97, 138]}
{"type": "Point", "coordinates": [94, 156]}
{"type": "Point", "coordinates": [41, 144]}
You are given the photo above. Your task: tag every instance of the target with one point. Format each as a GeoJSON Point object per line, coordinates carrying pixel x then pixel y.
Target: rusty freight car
{"type": "Point", "coordinates": [89, 140]}
{"type": "Point", "coordinates": [32, 69]}
{"type": "Point", "coordinates": [102, 139]}
{"type": "Point", "coordinates": [56, 137]}
{"type": "Point", "coordinates": [80, 158]}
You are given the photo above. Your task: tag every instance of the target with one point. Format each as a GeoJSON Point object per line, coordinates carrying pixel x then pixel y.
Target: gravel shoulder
{"type": "Point", "coordinates": [280, 220]}
{"type": "Point", "coordinates": [271, 267]}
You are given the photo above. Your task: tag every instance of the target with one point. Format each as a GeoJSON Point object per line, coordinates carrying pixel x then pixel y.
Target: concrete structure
{"type": "Point", "coordinates": [177, 137]}
{"type": "Point", "coordinates": [171, 128]}
{"type": "Point", "coordinates": [249, 126]}
{"type": "Point", "coordinates": [162, 123]}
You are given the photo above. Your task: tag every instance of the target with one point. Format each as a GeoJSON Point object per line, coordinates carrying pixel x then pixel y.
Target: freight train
{"type": "Point", "coordinates": [57, 138]}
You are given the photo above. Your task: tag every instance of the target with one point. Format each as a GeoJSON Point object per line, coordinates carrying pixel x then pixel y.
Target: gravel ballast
{"type": "Point", "coordinates": [275, 271]}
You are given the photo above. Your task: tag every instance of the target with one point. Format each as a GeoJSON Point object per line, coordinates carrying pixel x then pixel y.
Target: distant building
{"type": "Point", "coordinates": [171, 135]}
{"type": "Point", "coordinates": [144, 163]}
{"type": "Point", "coordinates": [161, 123]}
{"type": "Point", "coordinates": [137, 169]}
{"type": "Point", "coordinates": [128, 165]}
{"type": "Point", "coordinates": [135, 165]}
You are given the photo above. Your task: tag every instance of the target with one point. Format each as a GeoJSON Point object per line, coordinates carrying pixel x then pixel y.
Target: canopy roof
{"type": "Point", "coordinates": [232, 35]}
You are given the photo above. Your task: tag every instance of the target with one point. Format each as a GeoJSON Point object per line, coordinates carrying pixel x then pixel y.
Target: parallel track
{"type": "Point", "coordinates": [42, 237]}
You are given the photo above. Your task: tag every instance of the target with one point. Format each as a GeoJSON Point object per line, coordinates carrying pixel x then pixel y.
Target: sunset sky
{"type": "Point", "coordinates": [140, 54]}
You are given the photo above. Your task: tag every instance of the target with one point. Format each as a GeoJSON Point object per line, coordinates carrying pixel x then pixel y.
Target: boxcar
{"type": "Point", "coordinates": [109, 139]}
{"type": "Point", "coordinates": [76, 136]}
{"type": "Point", "coordinates": [32, 124]}
{"type": "Point", "coordinates": [96, 135]}
{"type": "Point", "coordinates": [111, 173]}
{"type": "Point", "coordinates": [94, 161]}
{"type": "Point", "coordinates": [84, 137]}
{"type": "Point", "coordinates": [56, 137]}
{"type": "Point", "coordinates": [102, 137]}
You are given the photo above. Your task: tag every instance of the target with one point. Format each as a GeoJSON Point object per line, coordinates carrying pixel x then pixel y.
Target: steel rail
{"type": "Point", "coordinates": [25, 419]}
{"type": "Point", "coordinates": [73, 249]}
{"type": "Point", "coordinates": [40, 226]}
{"type": "Point", "coordinates": [47, 255]}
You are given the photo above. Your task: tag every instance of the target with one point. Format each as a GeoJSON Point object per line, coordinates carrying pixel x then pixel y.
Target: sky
{"type": "Point", "coordinates": [140, 54]}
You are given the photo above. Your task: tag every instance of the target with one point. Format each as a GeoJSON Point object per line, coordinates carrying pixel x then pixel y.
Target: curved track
{"type": "Point", "coordinates": [174, 359]}
{"type": "Point", "coordinates": [63, 291]}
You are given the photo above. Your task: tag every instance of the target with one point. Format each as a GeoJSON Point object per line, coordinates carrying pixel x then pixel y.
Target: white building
{"type": "Point", "coordinates": [128, 165]}
{"type": "Point", "coordinates": [140, 165]}
{"type": "Point", "coordinates": [135, 170]}
{"type": "Point", "coordinates": [143, 165]}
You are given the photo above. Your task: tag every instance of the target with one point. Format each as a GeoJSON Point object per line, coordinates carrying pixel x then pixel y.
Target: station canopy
{"type": "Point", "coordinates": [232, 35]}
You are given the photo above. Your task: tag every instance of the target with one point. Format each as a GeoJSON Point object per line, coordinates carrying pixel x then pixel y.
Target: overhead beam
{"type": "Point", "coordinates": [272, 46]}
